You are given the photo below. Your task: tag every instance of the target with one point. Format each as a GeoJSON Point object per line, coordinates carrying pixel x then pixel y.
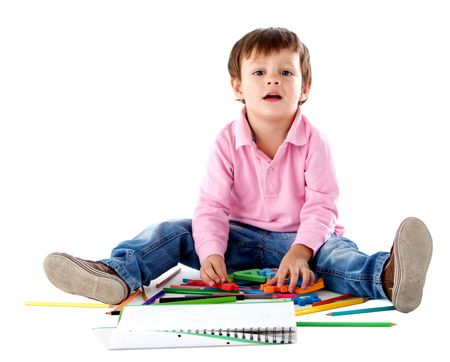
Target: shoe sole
{"type": "Point", "coordinates": [413, 247]}
{"type": "Point", "coordinates": [75, 277]}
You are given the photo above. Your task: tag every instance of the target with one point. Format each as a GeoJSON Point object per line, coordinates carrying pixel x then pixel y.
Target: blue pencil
{"type": "Point", "coordinates": [364, 310]}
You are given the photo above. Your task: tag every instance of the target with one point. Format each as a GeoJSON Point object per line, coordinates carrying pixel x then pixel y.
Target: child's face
{"type": "Point", "coordinates": [271, 84]}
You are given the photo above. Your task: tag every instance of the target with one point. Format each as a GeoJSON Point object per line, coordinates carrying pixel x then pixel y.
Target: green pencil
{"type": "Point", "coordinates": [202, 301]}
{"type": "Point", "coordinates": [197, 291]}
{"type": "Point", "coordinates": [363, 310]}
{"type": "Point", "coordinates": [345, 324]}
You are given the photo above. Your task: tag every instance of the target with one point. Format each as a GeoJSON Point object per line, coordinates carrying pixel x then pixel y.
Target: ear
{"type": "Point", "coordinates": [305, 93]}
{"type": "Point", "coordinates": [237, 88]}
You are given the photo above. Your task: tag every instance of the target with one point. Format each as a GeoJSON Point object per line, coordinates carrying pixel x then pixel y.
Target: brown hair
{"type": "Point", "coordinates": [265, 41]}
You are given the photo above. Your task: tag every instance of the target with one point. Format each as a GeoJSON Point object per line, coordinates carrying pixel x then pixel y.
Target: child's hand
{"type": "Point", "coordinates": [213, 270]}
{"type": "Point", "coordinates": [293, 265]}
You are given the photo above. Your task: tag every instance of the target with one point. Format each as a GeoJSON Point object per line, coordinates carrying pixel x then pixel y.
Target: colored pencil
{"type": "Point", "coordinates": [144, 294]}
{"type": "Point", "coordinates": [345, 324]}
{"type": "Point", "coordinates": [197, 287]}
{"type": "Point", "coordinates": [363, 310]}
{"type": "Point", "coordinates": [331, 300]}
{"type": "Point", "coordinates": [203, 301]}
{"type": "Point", "coordinates": [339, 304]}
{"type": "Point", "coordinates": [196, 291]}
{"type": "Point", "coordinates": [66, 304]}
{"type": "Point", "coordinates": [153, 298]}
{"type": "Point", "coordinates": [161, 283]}
{"type": "Point", "coordinates": [126, 301]}
{"type": "Point", "coordinates": [195, 297]}
{"type": "Point", "coordinates": [259, 296]}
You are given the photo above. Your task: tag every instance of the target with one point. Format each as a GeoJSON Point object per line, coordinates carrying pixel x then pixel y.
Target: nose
{"type": "Point", "coordinates": [273, 78]}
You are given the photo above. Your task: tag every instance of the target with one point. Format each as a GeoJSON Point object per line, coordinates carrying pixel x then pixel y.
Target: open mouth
{"type": "Point", "coordinates": [272, 97]}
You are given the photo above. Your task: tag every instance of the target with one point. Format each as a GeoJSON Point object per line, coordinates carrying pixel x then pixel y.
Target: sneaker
{"type": "Point", "coordinates": [88, 278]}
{"type": "Point", "coordinates": [405, 271]}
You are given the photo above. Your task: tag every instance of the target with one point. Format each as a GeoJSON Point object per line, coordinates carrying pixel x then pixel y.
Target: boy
{"type": "Point", "coordinates": [268, 200]}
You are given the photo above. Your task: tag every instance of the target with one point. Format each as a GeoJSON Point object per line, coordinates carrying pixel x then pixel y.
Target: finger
{"type": "Point", "coordinates": [293, 282]}
{"type": "Point", "coordinates": [211, 273]}
{"type": "Point", "coordinates": [219, 271]}
{"type": "Point", "coordinates": [272, 281]}
{"type": "Point", "coordinates": [281, 277]}
{"type": "Point", "coordinates": [312, 280]}
{"type": "Point", "coordinates": [204, 276]}
{"type": "Point", "coordinates": [223, 273]}
{"type": "Point", "coordinates": [306, 277]}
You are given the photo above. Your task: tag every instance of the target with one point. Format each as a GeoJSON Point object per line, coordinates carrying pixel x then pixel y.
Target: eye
{"type": "Point", "coordinates": [286, 73]}
{"type": "Point", "coordinates": [258, 73]}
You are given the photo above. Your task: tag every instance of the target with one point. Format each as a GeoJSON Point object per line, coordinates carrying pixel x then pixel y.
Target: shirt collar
{"type": "Point", "coordinates": [244, 134]}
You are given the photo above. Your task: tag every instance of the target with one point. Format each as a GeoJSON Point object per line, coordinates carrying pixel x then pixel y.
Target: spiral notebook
{"type": "Point", "coordinates": [160, 326]}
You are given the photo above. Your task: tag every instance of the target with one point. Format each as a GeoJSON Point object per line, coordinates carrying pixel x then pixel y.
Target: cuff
{"type": "Point", "coordinates": [310, 239]}
{"type": "Point", "coordinates": [206, 250]}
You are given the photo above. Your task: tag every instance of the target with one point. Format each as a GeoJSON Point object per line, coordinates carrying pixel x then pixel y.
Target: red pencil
{"type": "Point", "coordinates": [331, 300]}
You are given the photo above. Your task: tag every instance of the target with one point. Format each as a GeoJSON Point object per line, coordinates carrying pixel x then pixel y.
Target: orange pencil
{"type": "Point", "coordinates": [126, 301]}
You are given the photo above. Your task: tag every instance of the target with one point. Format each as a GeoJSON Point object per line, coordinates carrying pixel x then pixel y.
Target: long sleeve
{"type": "Point", "coordinates": [210, 223]}
{"type": "Point", "coordinates": [318, 215]}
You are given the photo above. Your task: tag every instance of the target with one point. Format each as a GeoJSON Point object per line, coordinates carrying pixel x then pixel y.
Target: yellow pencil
{"type": "Point", "coordinates": [66, 304]}
{"type": "Point", "coordinates": [339, 304]}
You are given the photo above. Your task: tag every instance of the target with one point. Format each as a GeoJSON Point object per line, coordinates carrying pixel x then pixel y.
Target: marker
{"type": "Point", "coordinates": [67, 304]}
{"type": "Point", "coordinates": [340, 304]}
{"type": "Point", "coordinates": [364, 310]}
{"type": "Point", "coordinates": [345, 324]}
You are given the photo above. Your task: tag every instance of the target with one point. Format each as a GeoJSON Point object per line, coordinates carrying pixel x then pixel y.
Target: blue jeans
{"type": "Point", "coordinates": [160, 247]}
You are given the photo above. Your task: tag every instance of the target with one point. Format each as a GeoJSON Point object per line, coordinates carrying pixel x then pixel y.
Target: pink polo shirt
{"type": "Point", "coordinates": [295, 192]}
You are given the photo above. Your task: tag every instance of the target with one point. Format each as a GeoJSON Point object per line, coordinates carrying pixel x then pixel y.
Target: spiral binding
{"type": "Point", "coordinates": [264, 335]}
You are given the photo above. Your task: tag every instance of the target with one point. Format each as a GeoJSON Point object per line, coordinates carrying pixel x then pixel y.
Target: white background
{"type": "Point", "coordinates": [108, 110]}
